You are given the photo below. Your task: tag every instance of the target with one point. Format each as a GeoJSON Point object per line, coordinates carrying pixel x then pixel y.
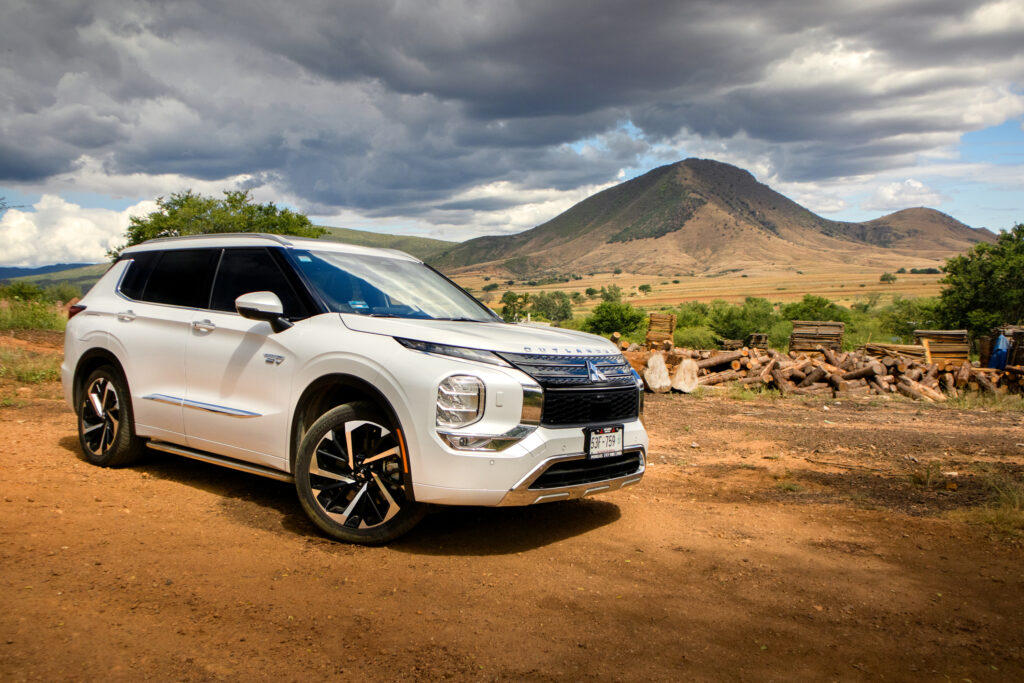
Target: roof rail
{"type": "Point", "coordinates": [280, 239]}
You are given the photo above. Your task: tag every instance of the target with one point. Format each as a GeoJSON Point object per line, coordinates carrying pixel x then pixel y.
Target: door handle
{"type": "Point", "coordinates": [203, 325]}
{"type": "Point", "coordinates": [126, 316]}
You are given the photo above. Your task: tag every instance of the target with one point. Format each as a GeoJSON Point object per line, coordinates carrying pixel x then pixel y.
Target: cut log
{"type": "Point", "coordinates": [815, 375]}
{"type": "Point", "coordinates": [984, 383]}
{"type": "Point", "coordinates": [781, 383]}
{"type": "Point", "coordinates": [949, 385]}
{"type": "Point", "coordinates": [637, 360]}
{"type": "Point", "coordinates": [656, 375]}
{"type": "Point", "coordinates": [919, 388]}
{"type": "Point", "coordinates": [872, 369]}
{"type": "Point", "coordinates": [721, 359]}
{"type": "Point", "coordinates": [718, 378]}
{"type": "Point", "coordinates": [905, 388]}
{"type": "Point", "coordinates": [684, 379]}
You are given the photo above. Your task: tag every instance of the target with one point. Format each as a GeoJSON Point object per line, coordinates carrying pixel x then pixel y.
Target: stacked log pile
{"type": "Point", "coordinates": [822, 372]}
{"type": "Point", "coordinates": [809, 334]}
{"type": "Point", "coordinates": [944, 345]}
{"type": "Point", "coordinates": [660, 328]}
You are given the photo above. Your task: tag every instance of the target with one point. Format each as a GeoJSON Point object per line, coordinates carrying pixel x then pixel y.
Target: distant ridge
{"type": "Point", "coordinates": [9, 272]}
{"type": "Point", "coordinates": [424, 248]}
{"type": "Point", "coordinates": [702, 215]}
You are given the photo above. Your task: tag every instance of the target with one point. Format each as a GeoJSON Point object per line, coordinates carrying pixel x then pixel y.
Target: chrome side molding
{"type": "Point", "coordinates": [199, 405]}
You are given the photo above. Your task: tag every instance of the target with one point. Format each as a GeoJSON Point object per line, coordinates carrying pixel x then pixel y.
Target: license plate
{"type": "Point", "coordinates": [604, 442]}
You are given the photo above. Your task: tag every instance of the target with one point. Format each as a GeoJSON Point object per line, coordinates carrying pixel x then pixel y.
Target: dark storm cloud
{"type": "Point", "coordinates": [398, 107]}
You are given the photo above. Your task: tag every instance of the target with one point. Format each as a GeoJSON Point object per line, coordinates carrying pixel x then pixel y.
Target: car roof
{"type": "Point", "coordinates": [261, 239]}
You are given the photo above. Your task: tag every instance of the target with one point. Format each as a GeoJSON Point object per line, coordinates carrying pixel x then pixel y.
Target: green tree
{"type": "Point", "coordinates": [188, 213]}
{"type": "Point", "coordinates": [736, 322]}
{"type": "Point", "coordinates": [614, 316]}
{"type": "Point", "coordinates": [513, 306]}
{"type": "Point", "coordinates": [491, 287]}
{"type": "Point", "coordinates": [692, 314]}
{"type": "Point", "coordinates": [903, 316]}
{"type": "Point", "coordinates": [646, 289]}
{"type": "Point", "coordinates": [815, 308]}
{"type": "Point", "coordinates": [554, 306]}
{"type": "Point", "coordinates": [591, 292]}
{"type": "Point", "coordinates": [985, 286]}
{"type": "Point", "coordinates": [888, 278]}
{"type": "Point", "coordinates": [612, 293]}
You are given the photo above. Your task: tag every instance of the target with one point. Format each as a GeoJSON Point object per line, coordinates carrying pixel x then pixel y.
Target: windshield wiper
{"type": "Point", "coordinates": [465, 320]}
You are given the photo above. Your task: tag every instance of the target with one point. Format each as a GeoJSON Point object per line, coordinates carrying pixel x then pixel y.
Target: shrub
{"type": "Point", "coordinates": [815, 308]}
{"type": "Point", "coordinates": [696, 337]}
{"type": "Point", "coordinates": [31, 315]}
{"type": "Point", "coordinates": [612, 316]}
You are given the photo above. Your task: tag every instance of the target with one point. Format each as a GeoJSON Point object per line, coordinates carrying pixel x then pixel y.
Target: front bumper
{"type": "Point", "coordinates": [542, 485]}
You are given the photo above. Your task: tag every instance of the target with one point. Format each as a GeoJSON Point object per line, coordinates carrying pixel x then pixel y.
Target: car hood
{"type": "Point", "coordinates": [496, 336]}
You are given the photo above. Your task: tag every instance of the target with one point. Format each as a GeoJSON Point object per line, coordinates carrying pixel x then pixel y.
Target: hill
{"type": "Point", "coordinates": [423, 248]}
{"type": "Point", "coordinates": [82, 277]}
{"type": "Point", "coordinates": [11, 272]}
{"type": "Point", "coordinates": [705, 216]}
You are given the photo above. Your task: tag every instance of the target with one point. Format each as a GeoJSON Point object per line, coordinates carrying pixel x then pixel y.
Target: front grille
{"type": "Point", "coordinates": [576, 472]}
{"type": "Point", "coordinates": [589, 406]}
{"type": "Point", "coordinates": [552, 371]}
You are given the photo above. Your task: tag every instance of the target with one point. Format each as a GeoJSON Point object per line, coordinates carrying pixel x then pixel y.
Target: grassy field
{"type": "Point", "coordinates": [846, 286]}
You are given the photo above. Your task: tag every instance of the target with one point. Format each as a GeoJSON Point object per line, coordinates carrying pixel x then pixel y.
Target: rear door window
{"type": "Point", "coordinates": [181, 277]}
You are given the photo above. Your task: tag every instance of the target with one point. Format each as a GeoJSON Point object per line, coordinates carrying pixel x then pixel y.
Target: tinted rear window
{"type": "Point", "coordinates": [182, 278]}
{"type": "Point", "coordinates": [134, 280]}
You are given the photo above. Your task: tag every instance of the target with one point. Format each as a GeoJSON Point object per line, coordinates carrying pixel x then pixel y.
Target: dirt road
{"type": "Point", "coordinates": [769, 541]}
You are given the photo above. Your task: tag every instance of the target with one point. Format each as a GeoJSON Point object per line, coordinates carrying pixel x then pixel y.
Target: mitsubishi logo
{"type": "Point", "coordinates": [594, 374]}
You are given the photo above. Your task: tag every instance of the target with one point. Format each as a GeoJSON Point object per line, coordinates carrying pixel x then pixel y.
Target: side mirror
{"type": "Point", "coordinates": [263, 306]}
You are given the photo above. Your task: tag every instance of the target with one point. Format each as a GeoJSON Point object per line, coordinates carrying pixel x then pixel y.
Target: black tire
{"type": "Point", "coordinates": [355, 494]}
{"type": "Point", "coordinates": [106, 426]}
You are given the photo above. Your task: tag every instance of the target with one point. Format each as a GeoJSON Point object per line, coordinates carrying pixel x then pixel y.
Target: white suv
{"type": "Point", "coordinates": [365, 377]}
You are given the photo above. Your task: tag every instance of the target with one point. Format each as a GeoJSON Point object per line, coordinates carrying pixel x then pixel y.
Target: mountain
{"type": "Point", "coordinates": [704, 216]}
{"type": "Point", "coordinates": [10, 272]}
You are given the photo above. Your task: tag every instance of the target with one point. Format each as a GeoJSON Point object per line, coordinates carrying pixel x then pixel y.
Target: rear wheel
{"type": "Point", "coordinates": [349, 476]}
{"type": "Point", "coordinates": [106, 430]}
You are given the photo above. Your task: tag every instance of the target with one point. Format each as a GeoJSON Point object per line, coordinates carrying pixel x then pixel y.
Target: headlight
{"type": "Point", "coordinates": [454, 351]}
{"type": "Point", "coordinates": [460, 401]}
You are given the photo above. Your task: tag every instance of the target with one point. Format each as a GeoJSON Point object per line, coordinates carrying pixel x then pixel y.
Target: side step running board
{"type": "Point", "coordinates": [222, 461]}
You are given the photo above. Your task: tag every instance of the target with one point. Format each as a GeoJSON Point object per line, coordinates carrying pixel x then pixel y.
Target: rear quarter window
{"type": "Point", "coordinates": [140, 265]}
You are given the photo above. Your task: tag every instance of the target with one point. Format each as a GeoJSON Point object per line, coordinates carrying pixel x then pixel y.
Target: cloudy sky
{"type": "Point", "coordinates": [454, 118]}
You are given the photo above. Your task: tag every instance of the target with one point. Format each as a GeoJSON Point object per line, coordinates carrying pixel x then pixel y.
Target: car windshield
{"type": "Point", "coordinates": [387, 287]}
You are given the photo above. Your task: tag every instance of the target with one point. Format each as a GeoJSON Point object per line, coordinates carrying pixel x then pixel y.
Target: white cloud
{"type": "Point", "coordinates": [906, 194]}
{"type": "Point", "coordinates": [57, 231]}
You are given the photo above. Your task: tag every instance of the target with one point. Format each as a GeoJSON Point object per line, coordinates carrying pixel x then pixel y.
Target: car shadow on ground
{"type": "Point", "coordinates": [477, 531]}
{"type": "Point", "coordinates": [270, 505]}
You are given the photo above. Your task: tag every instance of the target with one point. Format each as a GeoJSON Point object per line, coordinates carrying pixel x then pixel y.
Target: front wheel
{"type": "Point", "coordinates": [348, 475]}
{"type": "Point", "coordinates": [105, 426]}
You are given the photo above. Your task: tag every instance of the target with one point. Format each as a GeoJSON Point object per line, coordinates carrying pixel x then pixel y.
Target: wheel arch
{"type": "Point", "coordinates": [88, 362]}
{"type": "Point", "coordinates": [336, 389]}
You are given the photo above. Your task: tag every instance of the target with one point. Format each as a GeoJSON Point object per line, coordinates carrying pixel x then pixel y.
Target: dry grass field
{"type": "Point", "coordinates": [843, 285]}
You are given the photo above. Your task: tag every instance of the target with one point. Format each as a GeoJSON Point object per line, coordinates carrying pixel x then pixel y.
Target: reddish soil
{"type": "Point", "coordinates": [770, 540]}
